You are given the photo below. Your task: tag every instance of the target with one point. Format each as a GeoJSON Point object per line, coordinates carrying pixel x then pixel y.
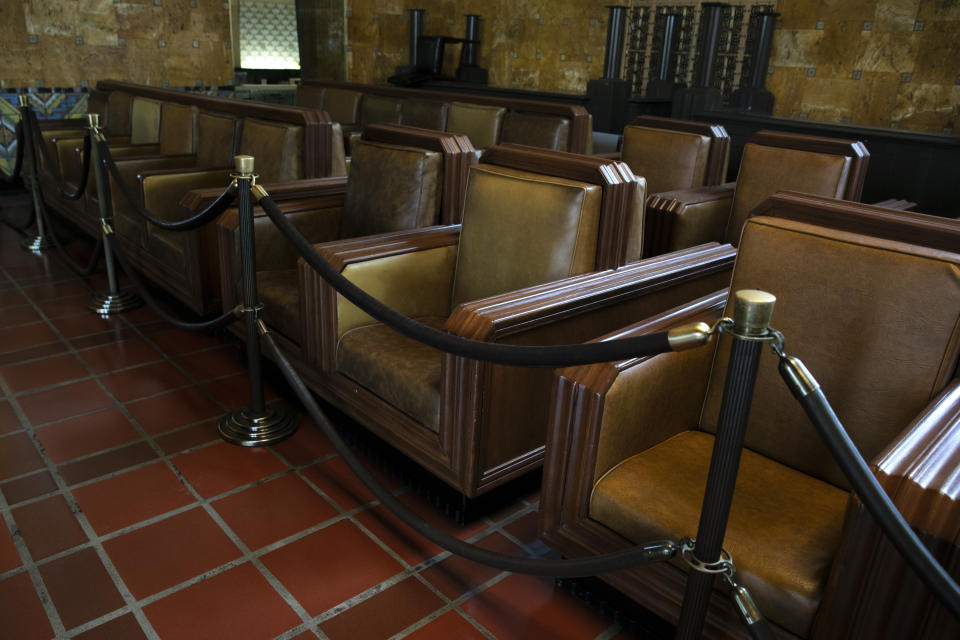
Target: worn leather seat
{"type": "Point", "coordinates": [531, 264]}
{"type": "Point", "coordinates": [480, 123]}
{"type": "Point", "coordinates": [536, 130]}
{"type": "Point", "coordinates": [391, 187]}
{"type": "Point", "coordinates": [630, 443]}
{"type": "Point", "coordinates": [771, 161]}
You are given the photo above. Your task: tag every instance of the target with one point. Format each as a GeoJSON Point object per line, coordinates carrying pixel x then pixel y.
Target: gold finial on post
{"type": "Point", "coordinates": [752, 310]}
{"type": "Point", "coordinates": [243, 165]}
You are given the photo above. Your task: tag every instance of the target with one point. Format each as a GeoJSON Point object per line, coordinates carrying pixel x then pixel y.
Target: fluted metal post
{"type": "Point", "coordinates": [752, 311]}
{"type": "Point", "coordinates": [256, 424]}
{"type": "Point", "coordinates": [616, 28]}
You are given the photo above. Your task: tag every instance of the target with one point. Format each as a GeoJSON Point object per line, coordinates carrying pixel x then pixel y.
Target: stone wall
{"type": "Point", "coordinates": [67, 43]}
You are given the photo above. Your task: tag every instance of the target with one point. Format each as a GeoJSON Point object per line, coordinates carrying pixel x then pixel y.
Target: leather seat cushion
{"type": "Point", "coordinates": [784, 526]}
{"type": "Point", "coordinates": [404, 372]}
{"type": "Point", "coordinates": [177, 128]}
{"type": "Point", "coordinates": [669, 160]}
{"type": "Point", "coordinates": [549, 132]}
{"type": "Point", "coordinates": [376, 109]}
{"type": "Point", "coordinates": [144, 121]}
{"type": "Point", "coordinates": [478, 122]}
{"type": "Point", "coordinates": [215, 140]}
{"type": "Point", "coordinates": [280, 293]}
{"type": "Point", "coordinates": [391, 187]}
{"type": "Point", "coordinates": [342, 105]}
{"type": "Point", "coordinates": [521, 229]}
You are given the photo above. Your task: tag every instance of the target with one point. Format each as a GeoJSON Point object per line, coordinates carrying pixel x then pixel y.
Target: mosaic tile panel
{"type": "Point", "coordinates": [268, 35]}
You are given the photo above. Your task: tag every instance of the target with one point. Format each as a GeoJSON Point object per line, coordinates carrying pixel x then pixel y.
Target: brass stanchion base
{"type": "Point", "coordinates": [37, 243]}
{"type": "Point", "coordinates": [247, 430]}
{"type": "Point", "coordinates": [106, 303]}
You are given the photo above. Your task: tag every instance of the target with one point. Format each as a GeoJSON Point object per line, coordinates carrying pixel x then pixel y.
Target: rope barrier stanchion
{"type": "Point", "coordinates": [257, 424]}
{"type": "Point", "coordinates": [52, 167]}
{"type": "Point", "coordinates": [113, 300]}
{"type": "Point", "coordinates": [750, 327]}
{"type": "Point", "coordinates": [41, 241]}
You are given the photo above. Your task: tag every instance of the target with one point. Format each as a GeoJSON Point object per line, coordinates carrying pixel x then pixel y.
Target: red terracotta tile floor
{"type": "Point", "coordinates": [126, 517]}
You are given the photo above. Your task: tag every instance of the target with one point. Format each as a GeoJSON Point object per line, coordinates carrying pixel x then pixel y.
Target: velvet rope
{"type": "Point", "coordinates": [51, 166]}
{"type": "Point", "coordinates": [874, 498]}
{"type": "Point", "coordinates": [204, 325]}
{"type": "Point", "coordinates": [524, 356]}
{"type": "Point", "coordinates": [216, 207]}
{"type": "Point", "coordinates": [575, 568]}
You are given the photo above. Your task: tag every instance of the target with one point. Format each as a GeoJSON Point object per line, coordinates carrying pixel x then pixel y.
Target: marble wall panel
{"type": "Point", "coordinates": [53, 43]}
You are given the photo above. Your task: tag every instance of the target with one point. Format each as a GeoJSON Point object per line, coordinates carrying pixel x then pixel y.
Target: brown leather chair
{"type": "Point", "coordinates": [401, 178]}
{"type": "Point", "coordinates": [528, 267]}
{"type": "Point", "coordinates": [676, 154]}
{"type": "Point", "coordinates": [877, 321]}
{"type": "Point", "coordinates": [481, 123]}
{"type": "Point", "coordinates": [771, 161]}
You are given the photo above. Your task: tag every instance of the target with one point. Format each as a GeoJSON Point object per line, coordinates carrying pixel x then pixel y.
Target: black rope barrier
{"type": "Point", "coordinates": [527, 356]}
{"type": "Point", "coordinates": [807, 391]}
{"type": "Point", "coordinates": [215, 208]}
{"type": "Point", "coordinates": [67, 259]}
{"type": "Point", "coordinates": [204, 325]}
{"type": "Point", "coordinates": [570, 568]}
{"type": "Point", "coordinates": [51, 166]}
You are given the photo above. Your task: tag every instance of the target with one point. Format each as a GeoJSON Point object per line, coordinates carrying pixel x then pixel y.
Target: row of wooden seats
{"type": "Point", "coordinates": [485, 120]}
{"type": "Point", "coordinates": [168, 142]}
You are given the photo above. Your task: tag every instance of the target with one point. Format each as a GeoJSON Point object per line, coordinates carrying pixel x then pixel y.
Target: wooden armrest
{"type": "Point", "coordinates": [604, 413]}
{"type": "Point", "coordinates": [686, 217]}
{"type": "Point", "coordinates": [673, 278]}
{"type": "Point", "coordinates": [411, 271]}
{"type": "Point", "coordinates": [918, 470]}
{"type": "Point", "coordinates": [328, 192]}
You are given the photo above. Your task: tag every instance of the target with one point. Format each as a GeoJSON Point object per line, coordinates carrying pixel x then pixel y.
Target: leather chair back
{"type": "Point", "coordinates": [478, 122]}
{"type": "Point", "coordinates": [379, 109]}
{"type": "Point", "coordinates": [277, 149]}
{"type": "Point", "coordinates": [548, 132]}
{"type": "Point", "coordinates": [144, 121]}
{"type": "Point", "coordinates": [117, 114]}
{"type": "Point", "coordinates": [309, 96]}
{"type": "Point", "coordinates": [848, 305]}
{"type": "Point", "coordinates": [426, 114]}
{"type": "Point", "coordinates": [788, 162]}
{"type": "Point", "coordinates": [178, 123]}
{"type": "Point", "coordinates": [342, 105]}
{"type": "Point", "coordinates": [391, 187]}
{"type": "Point", "coordinates": [522, 228]}
{"type": "Point", "coordinates": [216, 140]}
{"type": "Point", "coordinates": [668, 159]}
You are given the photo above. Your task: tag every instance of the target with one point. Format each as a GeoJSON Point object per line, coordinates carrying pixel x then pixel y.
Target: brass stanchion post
{"type": "Point", "coordinates": [40, 241]}
{"type": "Point", "coordinates": [113, 300]}
{"type": "Point", "coordinates": [751, 326]}
{"type": "Point", "coordinates": [257, 424]}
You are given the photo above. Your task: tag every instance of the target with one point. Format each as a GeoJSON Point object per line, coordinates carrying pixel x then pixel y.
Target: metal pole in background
{"type": "Point", "coordinates": [113, 300]}
{"type": "Point", "coordinates": [616, 37]}
{"type": "Point", "coordinates": [751, 320]}
{"type": "Point", "coordinates": [41, 241]}
{"type": "Point", "coordinates": [257, 424]}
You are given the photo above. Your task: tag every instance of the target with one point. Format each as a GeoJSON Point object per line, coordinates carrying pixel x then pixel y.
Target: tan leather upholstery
{"type": "Point", "coordinates": [280, 294]}
{"type": "Point", "coordinates": [668, 159]}
{"type": "Point", "coordinates": [700, 222]}
{"type": "Point", "coordinates": [784, 525]}
{"type": "Point", "coordinates": [215, 140]}
{"type": "Point", "coordinates": [536, 130]}
{"type": "Point", "coordinates": [144, 121]}
{"type": "Point", "coordinates": [478, 122]}
{"type": "Point", "coordinates": [426, 114]}
{"type": "Point", "coordinates": [522, 228]}
{"type": "Point", "coordinates": [850, 336]}
{"type": "Point", "coordinates": [764, 170]}
{"type": "Point", "coordinates": [400, 370]}
{"type": "Point", "coordinates": [277, 149]}
{"type": "Point", "coordinates": [117, 121]}
{"type": "Point", "coordinates": [390, 188]}
{"type": "Point", "coordinates": [375, 109]}
{"type": "Point", "coordinates": [178, 124]}
{"type": "Point", "coordinates": [169, 245]}
{"type": "Point", "coordinates": [342, 105]}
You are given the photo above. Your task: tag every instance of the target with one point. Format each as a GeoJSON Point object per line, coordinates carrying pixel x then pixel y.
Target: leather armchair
{"type": "Point", "coordinates": [771, 162]}
{"type": "Point", "coordinates": [629, 442]}
{"type": "Point", "coordinates": [481, 123]}
{"type": "Point", "coordinates": [532, 264]}
{"type": "Point", "coordinates": [401, 178]}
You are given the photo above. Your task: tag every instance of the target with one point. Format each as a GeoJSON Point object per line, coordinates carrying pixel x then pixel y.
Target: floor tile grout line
{"type": "Point", "coordinates": [111, 570]}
